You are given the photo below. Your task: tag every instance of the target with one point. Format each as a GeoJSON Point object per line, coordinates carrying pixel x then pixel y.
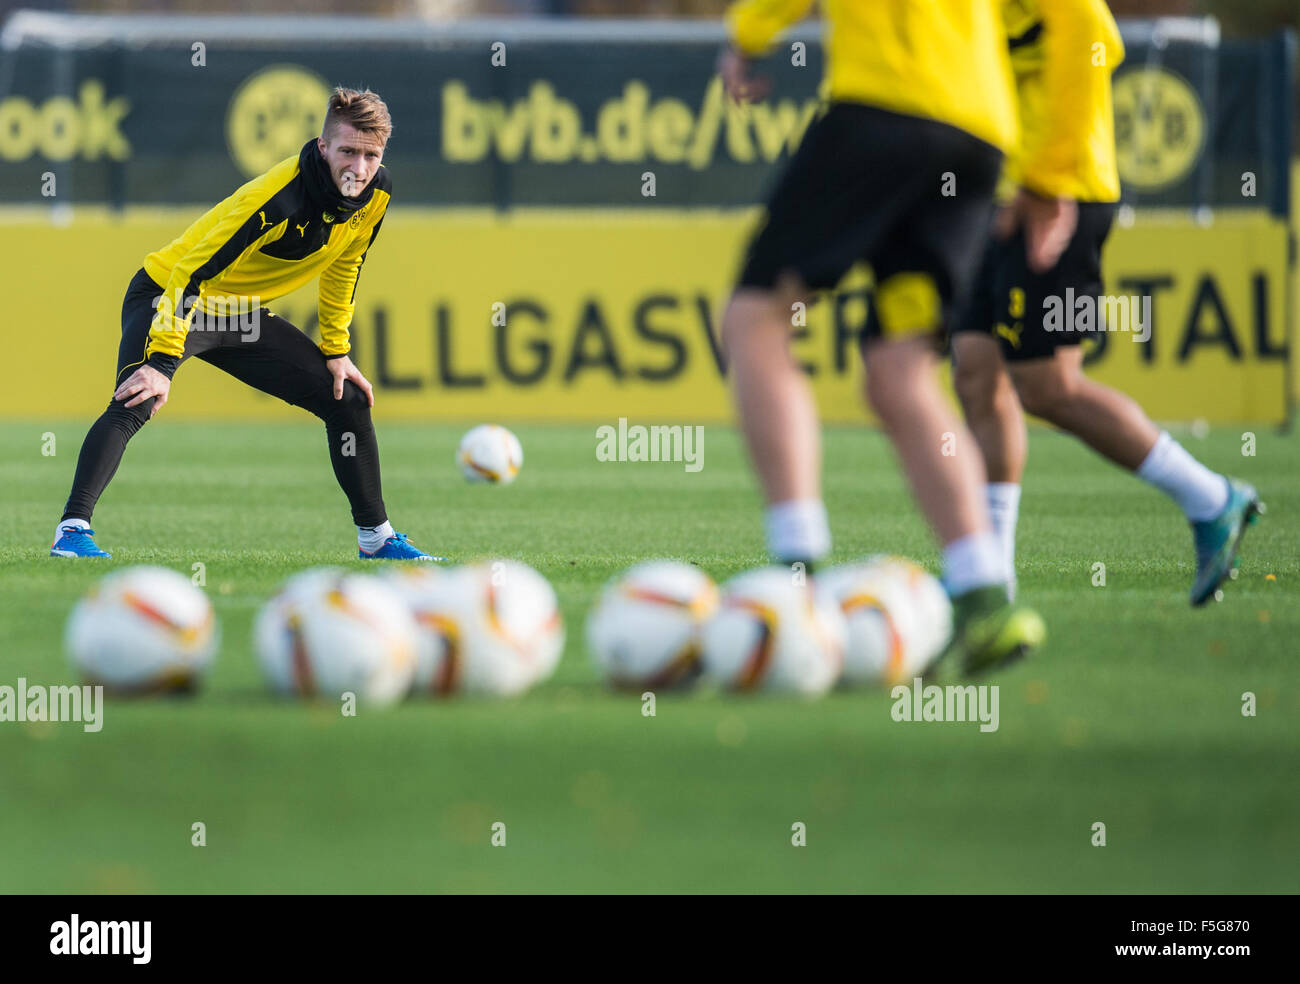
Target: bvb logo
{"type": "Point", "coordinates": [273, 113]}
{"type": "Point", "coordinates": [1159, 128]}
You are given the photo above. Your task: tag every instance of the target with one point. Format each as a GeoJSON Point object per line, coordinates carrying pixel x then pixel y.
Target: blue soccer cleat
{"type": "Point", "coordinates": [76, 541]}
{"type": "Point", "coordinates": [398, 547]}
{"type": "Point", "coordinates": [1217, 539]}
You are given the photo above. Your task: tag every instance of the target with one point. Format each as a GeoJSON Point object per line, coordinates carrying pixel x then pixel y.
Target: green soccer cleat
{"type": "Point", "coordinates": [989, 632]}
{"type": "Point", "coordinates": [1217, 540]}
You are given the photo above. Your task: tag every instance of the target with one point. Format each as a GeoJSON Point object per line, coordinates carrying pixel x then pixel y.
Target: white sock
{"type": "Point", "coordinates": [1201, 493]}
{"type": "Point", "coordinates": [973, 561]}
{"type": "Point", "coordinates": [371, 538]}
{"type": "Point", "coordinates": [797, 530]}
{"type": "Point", "coordinates": [80, 523]}
{"type": "Point", "coordinates": [1004, 509]}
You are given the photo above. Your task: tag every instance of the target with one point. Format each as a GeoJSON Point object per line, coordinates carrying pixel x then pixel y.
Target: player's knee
{"type": "Point", "coordinates": [749, 318]}
{"type": "Point", "coordinates": [899, 375]}
{"type": "Point", "coordinates": [354, 402]}
{"type": "Point", "coordinates": [130, 419]}
{"type": "Point", "coordinates": [976, 385]}
{"type": "Point", "coordinates": [1045, 388]}
{"type": "Point", "coordinates": [353, 405]}
{"type": "Point", "coordinates": [887, 396]}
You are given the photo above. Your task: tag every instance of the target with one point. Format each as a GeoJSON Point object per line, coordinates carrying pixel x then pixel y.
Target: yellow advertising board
{"type": "Point", "coordinates": [595, 315]}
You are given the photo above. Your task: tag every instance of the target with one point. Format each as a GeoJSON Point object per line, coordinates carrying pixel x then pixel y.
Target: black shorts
{"type": "Point", "coordinates": [255, 346]}
{"type": "Point", "coordinates": [912, 197]}
{"type": "Point", "coordinates": [1031, 313]}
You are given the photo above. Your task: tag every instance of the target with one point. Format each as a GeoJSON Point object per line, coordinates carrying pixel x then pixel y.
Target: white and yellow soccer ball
{"type": "Point", "coordinates": [501, 623]}
{"type": "Point", "coordinates": [490, 453]}
{"type": "Point", "coordinates": [898, 614]}
{"type": "Point", "coordinates": [143, 630]}
{"type": "Point", "coordinates": [774, 631]}
{"type": "Point", "coordinates": [644, 631]}
{"type": "Point", "coordinates": [329, 632]}
{"type": "Point", "coordinates": [424, 589]}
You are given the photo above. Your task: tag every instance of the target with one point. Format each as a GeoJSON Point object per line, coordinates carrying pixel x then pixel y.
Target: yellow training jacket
{"type": "Point", "coordinates": [1063, 53]}
{"type": "Point", "coordinates": [267, 240]}
{"type": "Point", "coordinates": [940, 59]}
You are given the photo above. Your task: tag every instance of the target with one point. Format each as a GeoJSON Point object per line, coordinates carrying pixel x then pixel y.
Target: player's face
{"type": "Point", "coordinates": [353, 158]}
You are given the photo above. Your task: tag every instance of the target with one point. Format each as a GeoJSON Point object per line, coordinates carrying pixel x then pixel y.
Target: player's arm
{"type": "Point", "coordinates": [752, 25]}
{"type": "Point", "coordinates": [336, 305]}
{"type": "Point", "coordinates": [1082, 46]}
{"type": "Point", "coordinates": [243, 219]}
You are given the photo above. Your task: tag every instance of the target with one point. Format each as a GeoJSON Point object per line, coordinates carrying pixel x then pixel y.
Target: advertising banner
{"type": "Point", "coordinates": [593, 315]}
{"type": "Point", "coordinates": [498, 115]}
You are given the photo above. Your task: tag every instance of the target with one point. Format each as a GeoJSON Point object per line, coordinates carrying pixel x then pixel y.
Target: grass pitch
{"type": "Point", "coordinates": [1132, 716]}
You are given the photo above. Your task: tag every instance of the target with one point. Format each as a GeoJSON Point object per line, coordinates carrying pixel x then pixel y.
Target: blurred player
{"type": "Point", "coordinates": [898, 170]}
{"type": "Point", "coordinates": [1005, 319]}
{"type": "Point", "coordinates": [316, 214]}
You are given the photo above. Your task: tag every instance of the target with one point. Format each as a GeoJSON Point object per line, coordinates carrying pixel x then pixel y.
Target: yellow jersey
{"type": "Point", "coordinates": [270, 237]}
{"type": "Point", "coordinates": [944, 60]}
{"type": "Point", "coordinates": [1063, 53]}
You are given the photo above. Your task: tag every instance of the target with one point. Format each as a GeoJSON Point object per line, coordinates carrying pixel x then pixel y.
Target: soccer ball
{"type": "Point", "coordinates": [424, 589]}
{"type": "Point", "coordinates": [502, 626]}
{"type": "Point", "coordinates": [899, 618]}
{"type": "Point", "coordinates": [643, 633]}
{"type": "Point", "coordinates": [329, 632]}
{"type": "Point", "coordinates": [143, 629]}
{"type": "Point", "coordinates": [490, 453]}
{"type": "Point", "coordinates": [770, 633]}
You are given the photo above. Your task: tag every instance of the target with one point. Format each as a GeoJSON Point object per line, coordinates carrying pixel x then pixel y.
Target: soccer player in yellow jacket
{"type": "Point", "coordinates": [899, 170]}
{"type": "Point", "coordinates": [1024, 320]}
{"type": "Point", "coordinates": [314, 215]}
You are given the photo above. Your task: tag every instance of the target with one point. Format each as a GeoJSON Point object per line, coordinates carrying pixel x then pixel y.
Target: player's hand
{"type": "Point", "coordinates": [1048, 223]}
{"type": "Point", "coordinates": [341, 369]}
{"type": "Point", "coordinates": [736, 79]}
{"type": "Point", "coordinates": [142, 384]}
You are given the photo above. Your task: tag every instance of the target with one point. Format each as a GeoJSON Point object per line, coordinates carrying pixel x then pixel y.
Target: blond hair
{"type": "Point", "coordinates": [361, 109]}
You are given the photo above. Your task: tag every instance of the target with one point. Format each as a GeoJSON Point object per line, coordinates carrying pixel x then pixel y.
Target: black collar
{"type": "Point", "coordinates": [320, 184]}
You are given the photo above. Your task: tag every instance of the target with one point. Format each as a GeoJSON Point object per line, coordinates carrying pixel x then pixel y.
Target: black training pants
{"type": "Point", "coordinates": [259, 349]}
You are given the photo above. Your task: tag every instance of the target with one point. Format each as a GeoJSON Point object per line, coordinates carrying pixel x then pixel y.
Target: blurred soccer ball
{"type": "Point", "coordinates": [899, 618]}
{"type": "Point", "coordinates": [143, 629]}
{"type": "Point", "coordinates": [770, 633]}
{"type": "Point", "coordinates": [329, 632]}
{"type": "Point", "coordinates": [643, 632]}
{"type": "Point", "coordinates": [502, 627]}
{"type": "Point", "coordinates": [490, 453]}
{"type": "Point", "coordinates": [424, 590]}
